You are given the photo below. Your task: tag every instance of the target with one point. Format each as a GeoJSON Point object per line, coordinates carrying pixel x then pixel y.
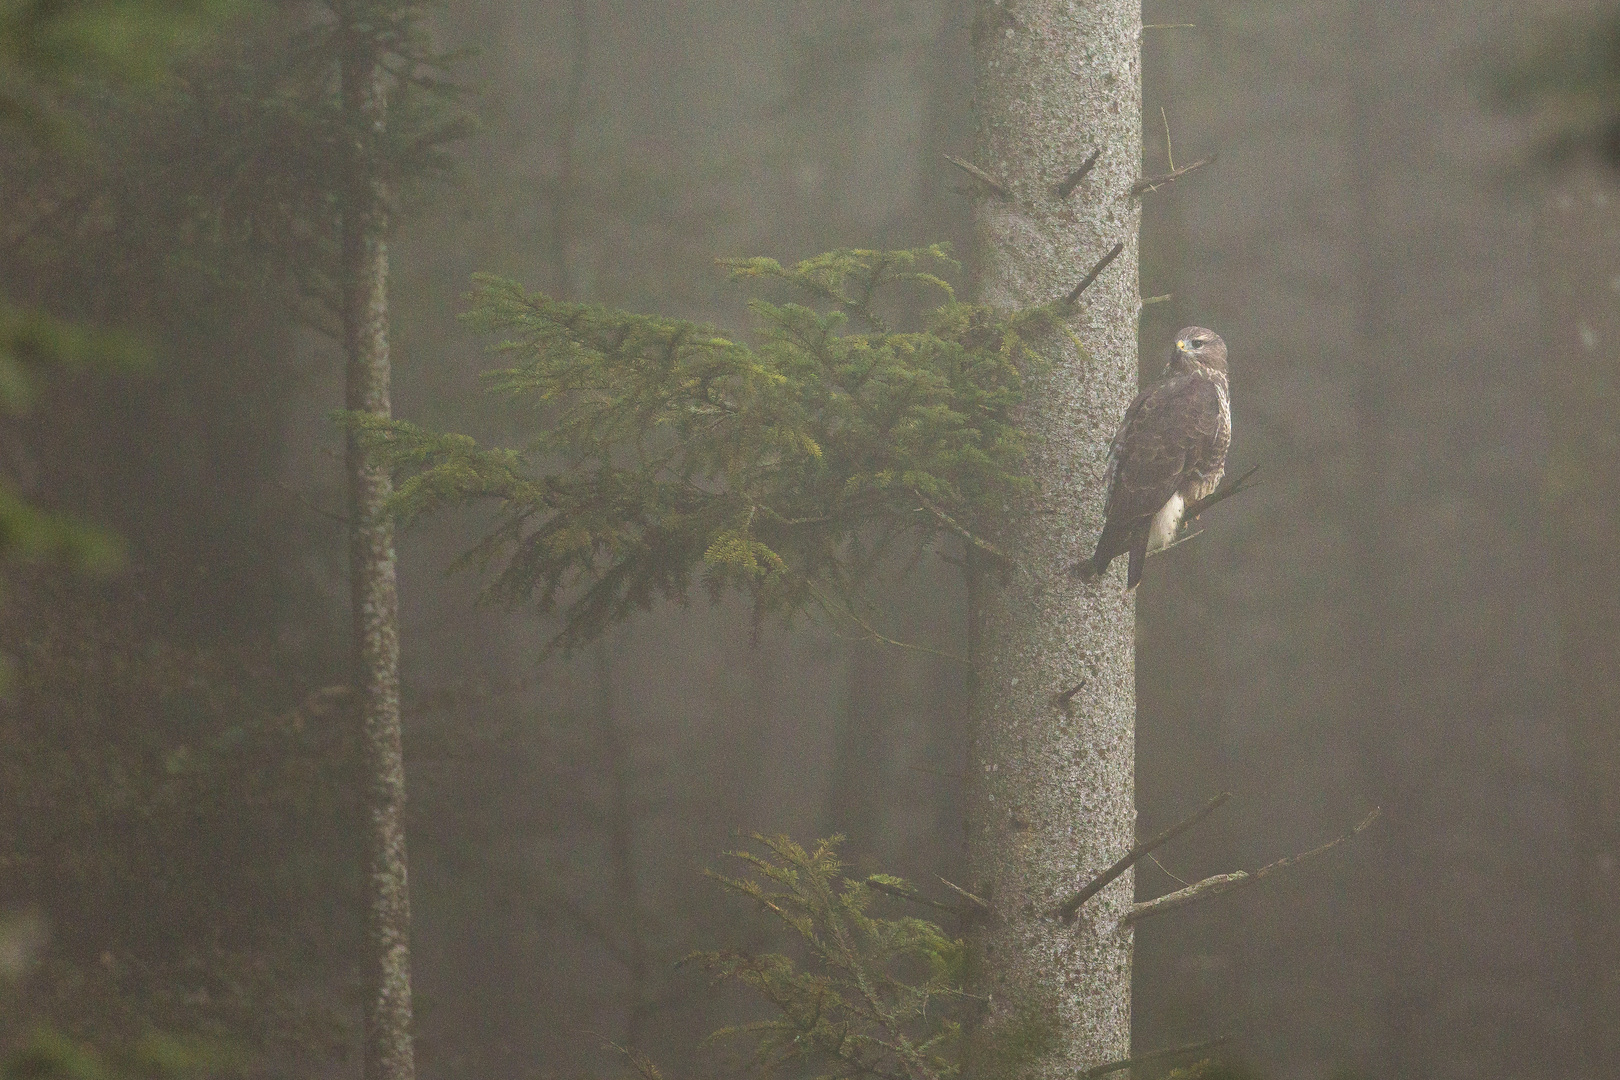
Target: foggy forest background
{"type": "Point", "coordinates": [1415, 611]}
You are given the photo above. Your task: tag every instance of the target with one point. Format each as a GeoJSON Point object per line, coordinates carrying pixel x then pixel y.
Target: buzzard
{"type": "Point", "coordinates": [1170, 450]}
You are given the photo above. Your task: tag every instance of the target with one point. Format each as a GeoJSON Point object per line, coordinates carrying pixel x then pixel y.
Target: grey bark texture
{"type": "Point", "coordinates": [1050, 790]}
{"type": "Point", "coordinates": [388, 1052]}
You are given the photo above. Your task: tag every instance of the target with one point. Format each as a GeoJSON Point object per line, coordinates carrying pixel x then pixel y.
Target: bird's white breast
{"type": "Point", "coordinates": [1166, 523]}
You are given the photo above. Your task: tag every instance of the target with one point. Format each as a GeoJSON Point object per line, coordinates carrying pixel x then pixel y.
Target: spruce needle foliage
{"type": "Point", "coordinates": [876, 995]}
{"type": "Point", "coordinates": [786, 465]}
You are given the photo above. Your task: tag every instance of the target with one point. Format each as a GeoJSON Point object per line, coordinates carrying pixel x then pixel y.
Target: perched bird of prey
{"type": "Point", "coordinates": [1170, 450]}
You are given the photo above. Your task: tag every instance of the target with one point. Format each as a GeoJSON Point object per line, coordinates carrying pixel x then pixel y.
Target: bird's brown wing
{"type": "Point", "coordinates": [1171, 434]}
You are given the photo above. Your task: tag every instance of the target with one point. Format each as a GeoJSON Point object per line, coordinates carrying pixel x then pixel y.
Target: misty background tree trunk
{"type": "Point", "coordinates": [616, 752]}
{"type": "Point", "coordinates": [1384, 737]}
{"type": "Point", "coordinates": [1050, 790]}
{"type": "Point", "coordinates": [374, 590]}
{"type": "Point", "coordinates": [1581, 497]}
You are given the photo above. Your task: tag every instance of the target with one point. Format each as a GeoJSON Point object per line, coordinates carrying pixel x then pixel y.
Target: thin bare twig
{"type": "Point", "coordinates": [1220, 495]}
{"type": "Point", "coordinates": [915, 898]}
{"type": "Point", "coordinates": [996, 186]}
{"type": "Point", "coordinates": [1169, 26]}
{"type": "Point", "coordinates": [1067, 909]}
{"type": "Point", "coordinates": [638, 1061]}
{"type": "Point", "coordinates": [978, 902]}
{"type": "Point", "coordinates": [309, 504]}
{"type": "Point", "coordinates": [1072, 181]}
{"type": "Point", "coordinates": [962, 530]}
{"type": "Point", "coordinates": [1156, 1055]}
{"type": "Point", "coordinates": [1154, 183]}
{"type": "Point", "coordinates": [1102, 264]}
{"type": "Point", "coordinates": [1238, 879]}
{"type": "Point", "coordinates": [833, 607]}
{"type": "Point", "coordinates": [1177, 542]}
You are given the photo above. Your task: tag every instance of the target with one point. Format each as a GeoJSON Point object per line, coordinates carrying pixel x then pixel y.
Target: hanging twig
{"type": "Point", "coordinates": [310, 504]}
{"type": "Point", "coordinates": [1072, 181]}
{"type": "Point", "coordinates": [1156, 1055]}
{"type": "Point", "coordinates": [1102, 264]}
{"type": "Point", "coordinates": [996, 187]}
{"type": "Point", "coordinates": [1238, 879]}
{"type": "Point", "coordinates": [961, 530]}
{"type": "Point", "coordinates": [1067, 909]}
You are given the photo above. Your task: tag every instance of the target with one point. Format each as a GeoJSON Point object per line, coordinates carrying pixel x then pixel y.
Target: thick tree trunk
{"type": "Point", "coordinates": [1582, 500]}
{"type": "Point", "coordinates": [375, 597]}
{"type": "Point", "coordinates": [1051, 789]}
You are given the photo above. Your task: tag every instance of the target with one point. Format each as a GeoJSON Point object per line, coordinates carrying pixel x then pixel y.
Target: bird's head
{"type": "Point", "coordinates": [1196, 345]}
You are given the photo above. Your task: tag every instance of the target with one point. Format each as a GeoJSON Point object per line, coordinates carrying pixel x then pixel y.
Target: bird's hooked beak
{"type": "Point", "coordinates": [1183, 346]}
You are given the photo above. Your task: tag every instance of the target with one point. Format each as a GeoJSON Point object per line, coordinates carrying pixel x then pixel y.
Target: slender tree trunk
{"type": "Point", "coordinates": [1581, 495]}
{"type": "Point", "coordinates": [1051, 790]}
{"type": "Point", "coordinates": [616, 752]}
{"type": "Point", "coordinates": [1387, 739]}
{"type": "Point", "coordinates": [375, 598]}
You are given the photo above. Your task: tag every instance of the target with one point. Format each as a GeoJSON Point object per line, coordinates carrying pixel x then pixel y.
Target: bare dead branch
{"type": "Point", "coordinates": [914, 897]}
{"type": "Point", "coordinates": [978, 902]}
{"type": "Point", "coordinates": [1220, 495]}
{"type": "Point", "coordinates": [1238, 879]}
{"type": "Point", "coordinates": [1154, 183]}
{"type": "Point", "coordinates": [1177, 542]}
{"type": "Point", "coordinates": [1067, 909]}
{"type": "Point", "coordinates": [1156, 1055]}
{"type": "Point", "coordinates": [995, 186]}
{"type": "Point", "coordinates": [1199, 890]}
{"type": "Point", "coordinates": [1102, 264]}
{"type": "Point", "coordinates": [1072, 181]}
{"type": "Point", "coordinates": [963, 531]}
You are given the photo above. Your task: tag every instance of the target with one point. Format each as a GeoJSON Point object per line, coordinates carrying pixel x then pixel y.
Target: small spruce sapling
{"type": "Point", "coordinates": [874, 996]}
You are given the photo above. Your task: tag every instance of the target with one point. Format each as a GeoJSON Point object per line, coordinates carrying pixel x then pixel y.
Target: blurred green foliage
{"type": "Point", "coordinates": [786, 467]}
{"type": "Point", "coordinates": [48, 49]}
{"type": "Point", "coordinates": [186, 825]}
{"type": "Point", "coordinates": [51, 1055]}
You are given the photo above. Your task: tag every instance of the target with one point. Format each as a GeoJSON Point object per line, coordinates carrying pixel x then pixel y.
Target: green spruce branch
{"type": "Point", "coordinates": [785, 464]}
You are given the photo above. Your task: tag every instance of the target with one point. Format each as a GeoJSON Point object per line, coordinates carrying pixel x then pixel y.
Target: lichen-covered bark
{"type": "Point", "coordinates": [375, 597]}
{"type": "Point", "coordinates": [1051, 796]}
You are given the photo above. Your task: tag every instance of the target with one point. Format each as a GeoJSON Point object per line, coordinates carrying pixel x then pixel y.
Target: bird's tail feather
{"type": "Point", "coordinates": [1138, 559]}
